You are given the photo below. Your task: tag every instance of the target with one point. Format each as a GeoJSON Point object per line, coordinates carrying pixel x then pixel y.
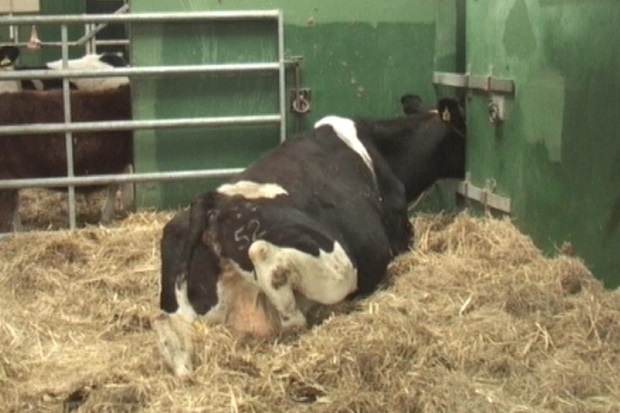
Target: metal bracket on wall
{"type": "Point", "coordinates": [485, 195]}
{"type": "Point", "coordinates": [497, 88]}
{"type": "Point", "coordinates": [485, 83]}
{"type": "Point", "coordinates": [300, 97]}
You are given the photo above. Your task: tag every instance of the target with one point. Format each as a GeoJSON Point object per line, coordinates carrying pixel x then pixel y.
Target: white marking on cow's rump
{"type": "Point", "coordinates": [281, 271]}
{"type": "Point", "coordinates": [347, 132]}
{"type": "Point", "coordinates": [252, 190]}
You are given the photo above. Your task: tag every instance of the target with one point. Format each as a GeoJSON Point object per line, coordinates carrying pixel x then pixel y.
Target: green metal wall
{"type": "Point", "coordinates": [557, 156]}
{"type": "Point", "coordinates": [357, 61]}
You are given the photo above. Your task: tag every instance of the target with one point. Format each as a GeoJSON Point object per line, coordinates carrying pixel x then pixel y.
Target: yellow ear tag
{"type": "Point", "coordinates": [5, 62]}
{"type": "Point", "coordinates": [445, 115]}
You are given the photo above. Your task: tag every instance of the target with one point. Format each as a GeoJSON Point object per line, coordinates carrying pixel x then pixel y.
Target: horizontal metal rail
{"type": "Point", "coordinates": [44, 128]}
{"type": "Point", "coordinates": [143, 17]}
{"type": "Point", "coordinates": [118, 178]}
{"type": "Point", "coordinates": [107, 42]}
{"type": "Point", "coordinates": [139, 71]}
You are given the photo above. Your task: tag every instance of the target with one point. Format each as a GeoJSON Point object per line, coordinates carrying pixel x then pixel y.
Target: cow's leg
{"type": "Point", "coordinates": [127, 190]}
{"type": "Point", "coordinates": [9, 211]}
{"type": "Point", "coordinates": [327, 278]}
{"type": "Point", "coordinates": [107, 211]}
{"type": "Point", "coordinates": [17, 220]}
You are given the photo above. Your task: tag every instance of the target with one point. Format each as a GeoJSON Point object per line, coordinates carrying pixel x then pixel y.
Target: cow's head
{"type": "Point", "coordinates": [424, 145]}
{"type": "Point", "coordinates": [411, 104]}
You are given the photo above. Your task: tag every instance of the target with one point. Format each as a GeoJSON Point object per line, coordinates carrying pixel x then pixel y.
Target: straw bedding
{"type": "Point", "coordinates": [474, 319]}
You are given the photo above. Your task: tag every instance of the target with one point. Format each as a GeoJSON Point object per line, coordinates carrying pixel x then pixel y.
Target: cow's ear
{"type": "Point", "coordinates": [411, 104]}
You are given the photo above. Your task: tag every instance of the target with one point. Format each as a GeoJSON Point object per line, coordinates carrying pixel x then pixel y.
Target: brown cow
{"type": "Point", "coordinates": [44, 155]}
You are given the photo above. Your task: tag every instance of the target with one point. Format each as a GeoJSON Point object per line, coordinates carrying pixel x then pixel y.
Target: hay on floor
{"type": "Point", "coordinates": [475, 319]}
{"type": "Point", "coordinates": [46, 209]}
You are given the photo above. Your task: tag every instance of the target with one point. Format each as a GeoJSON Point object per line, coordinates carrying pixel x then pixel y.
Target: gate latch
{"type": "Point", "coordinates": [496, 88]}
{"type": "Point", "coordinates": [485, 196]}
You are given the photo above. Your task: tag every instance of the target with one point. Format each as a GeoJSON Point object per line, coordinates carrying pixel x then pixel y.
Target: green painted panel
{"type": "Point", "coordinates": [201, 96]}
{"type": "Point", "coordinates": [557, 155]}
{"type": "Point", "coordinates": [357, 61]}
{"type": "Point", "coordinates": [49, 32]}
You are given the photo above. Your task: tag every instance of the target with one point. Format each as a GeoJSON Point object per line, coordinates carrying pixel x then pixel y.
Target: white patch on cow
{"type": "Point", "coordinates": [86, 62]}
{"type": "Point", "coordinates": [281, 271]}
{"type": "Point", "coordinates": [347, 132]}
{"type": "Point", "coordinates": [90, 62]}
{"type": "Point", "coordinates": [252, 190]}
{"type": "Point", "coordinates": [185, 310]}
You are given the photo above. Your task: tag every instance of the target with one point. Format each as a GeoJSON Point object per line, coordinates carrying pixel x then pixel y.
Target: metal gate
{"type": "Point", "coordinates": [277, 66]}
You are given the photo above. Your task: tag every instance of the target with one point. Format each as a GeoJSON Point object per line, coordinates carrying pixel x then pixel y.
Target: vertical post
{"type": "Point", "coordinates": [282, 75]}
{"type": "Point", "coordinates": [93, 39]}
{"type": "Point", "coordinates": [66, 90]}
{"type": "Point", "coordinates": [87, 45]}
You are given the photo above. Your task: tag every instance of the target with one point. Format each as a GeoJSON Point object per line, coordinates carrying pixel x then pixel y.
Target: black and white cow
{"type": "Point", "coordinates": [315, 220]}
{"type": "Point", "coordinates": [9, 56]}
